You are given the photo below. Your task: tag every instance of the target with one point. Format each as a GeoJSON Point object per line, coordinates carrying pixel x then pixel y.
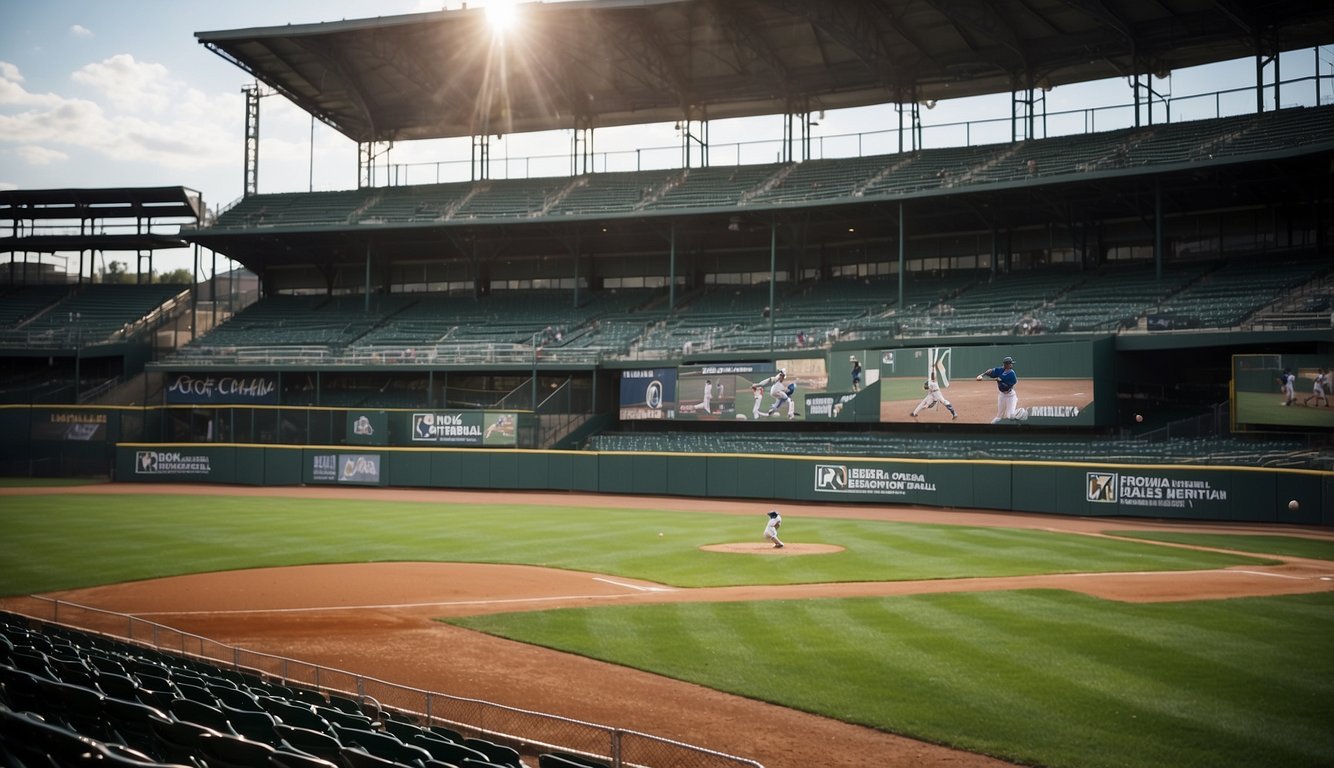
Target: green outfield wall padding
{"type": "Point", "coordinates": [722, 477]}
{"type": "Point", "coordinates": [1238, 494]}
{"type": "Point", "coordinates": [504, 470]}
{"type": "Point", "coordinates": [283, 466]}
{"type": "Point", "coordinates": [446, 470]}
{"type": "Point", "coordinates": [533, 471]}
{"type": "Point", "coordinates": [250, 466]}
{"type": "Point", "coordinates": [474, 469]}
{"type": "Point", "coordinates": [616, 473]}
{"type": "Point", "coordinates": [410, 468]}
{"type": "Point", "coordinates": [650, 475]}
{"type": "Point", "coordinates": [687, 475]}
{"type": "Point", "coordinates": [584, 472]}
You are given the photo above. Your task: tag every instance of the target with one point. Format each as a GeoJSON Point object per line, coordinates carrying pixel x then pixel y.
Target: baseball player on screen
{"type": "Point", "coordinates": [1286, 380]}
{"type": "Point", "coordinates": [1319, 388]}
{"type": "Point", "coordinates": [933, 396]}
{"type": "Point", "coordinates": [1007, 400]}
{"type": "Point", "coordinates": [780, 389]}
{"type": "Point", "coordinates": [707, 404]}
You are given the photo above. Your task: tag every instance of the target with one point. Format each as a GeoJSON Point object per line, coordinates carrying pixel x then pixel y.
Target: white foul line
{"type": "Point", "coordinates": [415, 605]}
{"type": "Point", "coordinates": [1275, 575]}
{"type": "Point", "coordinates": [633, 586]}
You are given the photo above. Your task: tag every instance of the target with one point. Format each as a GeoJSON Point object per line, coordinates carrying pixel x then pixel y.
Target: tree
{"type": "Point", "coordinates": [116, 272]}
{"type": "Point", "coordinates": [181, 276]}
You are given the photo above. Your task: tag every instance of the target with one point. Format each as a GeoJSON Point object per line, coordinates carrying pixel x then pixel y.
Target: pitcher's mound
{"type": "Point", "coordinates": [760, 548]}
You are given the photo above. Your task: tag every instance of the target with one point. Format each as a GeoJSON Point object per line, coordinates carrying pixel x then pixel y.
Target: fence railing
{"type": "Point", "coordinates": [525, 730]}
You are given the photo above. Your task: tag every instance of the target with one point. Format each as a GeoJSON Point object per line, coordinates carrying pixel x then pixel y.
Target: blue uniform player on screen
{"type": "Point", "coordinates": [1007, 399]}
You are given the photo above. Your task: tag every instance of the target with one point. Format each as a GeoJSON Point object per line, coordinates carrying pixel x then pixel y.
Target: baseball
{"type": "Point", "coordinates": [1139, 417]}
{"type": "Point", "coordinates": [660, 532]}
{"type": "Point", "coordinates": [1293, 505]}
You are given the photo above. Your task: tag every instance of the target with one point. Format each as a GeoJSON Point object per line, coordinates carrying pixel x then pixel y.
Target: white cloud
{"type": "Point", "coordinates": [79, 30]}
{"type": "Point", "coordinates": [137, 113]}
{"type": "Point", "coordinates": [131, 85]}
{"type": "Point", "coordinates": [35, 155]}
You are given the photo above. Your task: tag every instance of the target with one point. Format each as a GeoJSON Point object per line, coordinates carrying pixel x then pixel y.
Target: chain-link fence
{"type": "Point", "coordinates": [526, 731]}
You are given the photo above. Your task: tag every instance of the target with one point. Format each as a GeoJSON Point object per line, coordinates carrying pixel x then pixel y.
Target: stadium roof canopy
{"type": "Point", "coordinates": [110, 218]}
{"type": "Point", "coordinates": [595, 63]}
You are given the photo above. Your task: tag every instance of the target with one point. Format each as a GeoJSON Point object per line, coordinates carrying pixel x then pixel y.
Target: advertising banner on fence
{"type": "Point", "coordinates": [1151, 492]}
{"type": "Point", "coordinates": [884, 482]}
{"type": "Point", "coordinates": [81, 426]}
{"type": "Point", "coordinates": [497, 429]}
{"type": "Point", "coordinates": [367, 428]}
{"type": "Point", "coordinates": [172, 463]}
{"type": "Point", "coordinates": [356, 468]}
{"type": "Point", "coordinates": [230, 388]}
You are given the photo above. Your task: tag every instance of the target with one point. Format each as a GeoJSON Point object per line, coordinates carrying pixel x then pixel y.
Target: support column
{"type": "Point", "coordinates": [903, 257]}
{"type": "Point", "coordinates": [366, 288]}
{"type": "Point", "coordinates": [773, 268]}
{"type": "Point", "coordinates": [480, 159]}
{"type": "Point", "coordinates": [1157, 229]}
{"type": "Point", "coordinates": [581, 147]}
{"type": "Point", "coordinates": [671, 272]}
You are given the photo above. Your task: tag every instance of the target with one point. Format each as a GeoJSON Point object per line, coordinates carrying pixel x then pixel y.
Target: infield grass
{"type": "Point", "coordinates": [1039, 677]}
{"type": "Point", "coordinates": [68, 541]}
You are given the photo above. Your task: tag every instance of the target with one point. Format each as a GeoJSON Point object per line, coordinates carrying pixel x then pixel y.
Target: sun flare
{"type": "Point", "coordinates": [503, 15]}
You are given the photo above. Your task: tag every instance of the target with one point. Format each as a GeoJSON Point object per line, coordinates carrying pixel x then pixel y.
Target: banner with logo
{"type": "Point", "coordinates": [79, 426]}
{"type": "Point", "coordinates": [354, 468]}
{"type": "Point", "coordinates": [230, 388]}
{"type": "Point", "coordinates": [172, 464]}
{"type": "Point", "coordinates": [367, 428]}
{"type": "Point", "coordinates": [462, 428]}
{"type": "Point", "coordinates": [1146, 491]}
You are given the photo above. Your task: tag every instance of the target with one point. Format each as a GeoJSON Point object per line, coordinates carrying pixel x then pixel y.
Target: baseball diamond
{"type": "Point", "coordinates": [381, 618]}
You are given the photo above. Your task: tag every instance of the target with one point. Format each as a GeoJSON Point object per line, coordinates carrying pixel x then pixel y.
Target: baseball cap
{"type": "Point", "coordinates": [1008, 360]}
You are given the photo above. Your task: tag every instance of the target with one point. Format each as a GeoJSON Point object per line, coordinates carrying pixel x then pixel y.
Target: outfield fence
{"type": "Point", "coordinates": [526, 731]}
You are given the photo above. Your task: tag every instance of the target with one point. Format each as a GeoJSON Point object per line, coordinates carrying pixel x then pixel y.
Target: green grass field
{"type": "Point", "coordinates": [1043, 677]}
{"type": "Point", "coordinates": [1268, 408]}
{"type": "Point", "coordinates": [1038, 677]}
{"type": "Point", "coordinates": [1287, 546]}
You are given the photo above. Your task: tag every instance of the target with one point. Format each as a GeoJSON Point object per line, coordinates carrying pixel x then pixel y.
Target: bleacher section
{"type": "Point", "coordinates": [1226, 296]}
{"type": "Point", "coordinates": [432, 328]}
{"type": "Point", "coordinates": [818, 180]}
{"type": "Point", "coordinates": [1271, 452]}
{"type": "Point", "coordinates": [426, 328]}
{"type": "Point", "coordinates": [79, 316]}
{"type": "Point", "coordinates": [72, 698]}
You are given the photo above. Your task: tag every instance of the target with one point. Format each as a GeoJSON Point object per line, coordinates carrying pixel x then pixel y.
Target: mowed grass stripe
{"type": "Point", "coordinates": [1048, 677]}
{"type": "Point", "coordinates": [63, 542]}
{"type": "Point", "coordinates": [1286, 546]}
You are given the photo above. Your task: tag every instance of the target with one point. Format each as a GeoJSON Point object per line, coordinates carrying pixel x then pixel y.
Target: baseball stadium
{"type": "Point", "coordinates": [471, 465]}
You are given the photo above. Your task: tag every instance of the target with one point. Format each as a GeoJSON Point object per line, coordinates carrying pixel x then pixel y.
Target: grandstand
{"type": "Point", "coordinates": [813, 182]}
{"type": "Point", "coordinates": [70, 697]}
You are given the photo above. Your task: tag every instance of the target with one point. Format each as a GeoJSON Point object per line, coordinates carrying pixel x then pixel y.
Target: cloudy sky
{"type": "Point", "coordinates": [96, 93]}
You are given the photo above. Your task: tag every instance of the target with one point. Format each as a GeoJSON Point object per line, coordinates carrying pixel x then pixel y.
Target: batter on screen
{"type": "Point", "coordinates": [1007, 399]}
